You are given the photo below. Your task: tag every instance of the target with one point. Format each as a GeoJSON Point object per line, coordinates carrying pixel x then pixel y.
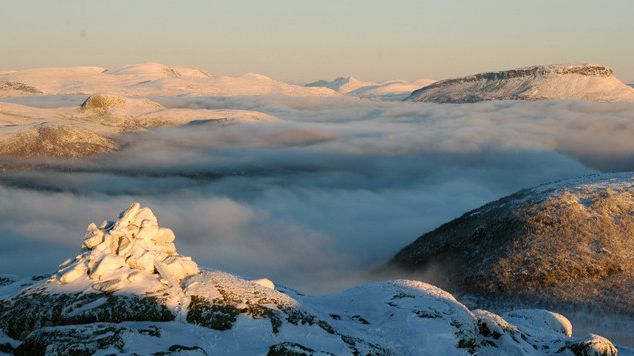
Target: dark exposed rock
{"type": "Point", "coordinates": [77, 340]}
{"type": "Point", "coordinates": [32, 310]}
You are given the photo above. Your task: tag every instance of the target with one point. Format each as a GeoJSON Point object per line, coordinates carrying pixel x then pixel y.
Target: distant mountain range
{"type": "Point", "coordinates": [117, 100]}
{"type": "Point", "coordinates": [543, 82]}
{"type": "Point", "coordinates": [146, 79]}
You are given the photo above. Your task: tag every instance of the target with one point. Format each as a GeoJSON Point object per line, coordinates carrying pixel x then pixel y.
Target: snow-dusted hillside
{"type": "Point", "coordinates": [129, 291]}
{"type": "Point", "coordinates": [10, 89]}
{"type": "Point", "coordinates": [561, 244]}
{"type": "Point", "coordinates": [93, 127]}
{"type": "Point", "coordinates": [545, 82]}
{"type": "Point", "coordinates": [146, 79]}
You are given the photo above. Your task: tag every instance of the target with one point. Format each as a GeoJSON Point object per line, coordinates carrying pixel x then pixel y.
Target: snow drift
{"type": "Point", "coordinates": [129, 291]}
{"type": "Point", "coordinates": [545, 82]}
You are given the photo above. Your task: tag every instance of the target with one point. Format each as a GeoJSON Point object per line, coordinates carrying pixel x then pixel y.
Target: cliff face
{"type": "Point", "coordinates": [572, 81]}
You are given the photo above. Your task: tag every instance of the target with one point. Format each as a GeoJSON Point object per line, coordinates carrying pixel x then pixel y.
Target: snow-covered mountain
{"type": "Point", "coordinates": [567, 243]}
{"type": "Point", "coordinates": [146, 79]}
{"type": "Point", "coordinates": [342, 84]}
{"type": "Point", "coordinates": [544, 82]}
{"type": "Point", "coordinates": [389, 90]}
{"type": "Point", "coordinates": [129, 291]}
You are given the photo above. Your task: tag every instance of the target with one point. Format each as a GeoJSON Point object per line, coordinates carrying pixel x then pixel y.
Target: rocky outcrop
{"type": "Point", "coordinates": [132, 250]}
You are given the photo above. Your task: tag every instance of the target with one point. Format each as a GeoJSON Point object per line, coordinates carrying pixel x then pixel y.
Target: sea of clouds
{"type": "Point", "coordinates": [318, 199]}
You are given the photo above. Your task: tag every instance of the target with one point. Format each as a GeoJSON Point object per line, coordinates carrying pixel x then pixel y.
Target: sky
{"type": "Point", "coordinates": [298, 41]}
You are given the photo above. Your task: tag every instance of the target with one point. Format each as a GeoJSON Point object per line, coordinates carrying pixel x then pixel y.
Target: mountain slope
{"type": "Point", "coordinates": [129, 291]}
{"type": "Point", "coordinates": [545, 82]}
{"type": "Point", "coordinates": [566, 243]}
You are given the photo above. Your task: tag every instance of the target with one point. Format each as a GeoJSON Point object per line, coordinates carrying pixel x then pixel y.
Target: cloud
{"type": "Point", "coordinates": [319, 198]}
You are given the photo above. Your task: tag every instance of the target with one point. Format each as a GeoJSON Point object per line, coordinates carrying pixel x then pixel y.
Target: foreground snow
{"type": "Point", "coordinates": [129, 291]}
{"type": "Point", "coordinates": [546, 82]}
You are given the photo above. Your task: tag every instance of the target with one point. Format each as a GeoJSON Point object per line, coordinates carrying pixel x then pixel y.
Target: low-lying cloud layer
{"type": "Point", "coordinates": [320, 198]}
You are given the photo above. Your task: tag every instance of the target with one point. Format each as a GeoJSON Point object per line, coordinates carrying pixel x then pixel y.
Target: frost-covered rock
{"type": "Point", "coordinates": [540, 321]}
{"type": "Point", "coordinates": [265, 282]}
{"type": "Point", "coordinates": [538, 332]}
{"type": "Point", "coordinates": [545, 82]}
{"type": "Point", "coordinates": [133, 246]}
{"type": "Point", "coordinates": [130, 292]}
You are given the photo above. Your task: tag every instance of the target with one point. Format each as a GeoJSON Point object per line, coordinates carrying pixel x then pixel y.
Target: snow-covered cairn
{"type": "Point", "coordinates": [133, 249]}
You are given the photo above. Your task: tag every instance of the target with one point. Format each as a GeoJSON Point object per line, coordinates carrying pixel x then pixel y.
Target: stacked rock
{"type": "Point", "coordinates": [132, 249]}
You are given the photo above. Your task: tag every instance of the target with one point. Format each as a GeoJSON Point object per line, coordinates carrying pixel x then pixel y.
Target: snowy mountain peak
{"type": "Point", "coordinates": [543, 82]}
{"type": "Point", "coordinates": [158, 70]}
{"type": "Point", "coordinates": [148, 69]}
{"type": "Point", "coordinates": [341, 84]}
{"type": "Point", "coordinates": [132, 249]}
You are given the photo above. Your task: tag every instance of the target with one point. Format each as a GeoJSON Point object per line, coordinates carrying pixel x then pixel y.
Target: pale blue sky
{"type": "Point", "coordinates": [298, 40]}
